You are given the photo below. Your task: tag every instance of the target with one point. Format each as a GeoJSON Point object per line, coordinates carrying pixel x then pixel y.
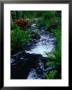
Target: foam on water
{"type": "Point", "coordinates": [44, 45]}
{"type": "Point", "coordinates": [33, 75]}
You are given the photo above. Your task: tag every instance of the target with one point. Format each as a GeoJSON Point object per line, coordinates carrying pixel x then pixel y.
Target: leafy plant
{"type": "Point", "coordinates": [19, 38]}
{"type": "Point", "coordinates": [51, 75]}
{"type": "Point", "coordinates": [54, 58]}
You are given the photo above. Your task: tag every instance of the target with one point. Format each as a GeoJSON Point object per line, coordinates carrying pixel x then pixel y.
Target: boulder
{"type": "Point", "coordinates": [35, 35]}
{"type": "Point", "coordinates": [23, 63]}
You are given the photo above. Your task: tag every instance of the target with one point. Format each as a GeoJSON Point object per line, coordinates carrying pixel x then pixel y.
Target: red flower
{"type": "Point", "coordinates": [22, 22]}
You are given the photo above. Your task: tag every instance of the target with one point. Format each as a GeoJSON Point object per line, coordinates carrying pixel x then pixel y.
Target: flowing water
{"type": "Point", "coordinates": [31, 64]}
{"type": "Point", "coordinates": [45, 44]}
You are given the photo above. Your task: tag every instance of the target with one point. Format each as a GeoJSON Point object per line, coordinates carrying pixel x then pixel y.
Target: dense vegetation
{"type": "Point", "coordinates": [21, 34]}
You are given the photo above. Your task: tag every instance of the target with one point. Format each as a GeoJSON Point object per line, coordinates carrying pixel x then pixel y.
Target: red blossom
{"type": "Point", "coordinates": [22, 22]}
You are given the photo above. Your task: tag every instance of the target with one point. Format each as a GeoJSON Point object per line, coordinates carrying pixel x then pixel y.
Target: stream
{"type": "Point", "coordinates": [31, 63]}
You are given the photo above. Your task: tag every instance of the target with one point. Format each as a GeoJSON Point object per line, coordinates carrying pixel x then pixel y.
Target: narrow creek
{"type": "Point", "coordinates": [31, 63]}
